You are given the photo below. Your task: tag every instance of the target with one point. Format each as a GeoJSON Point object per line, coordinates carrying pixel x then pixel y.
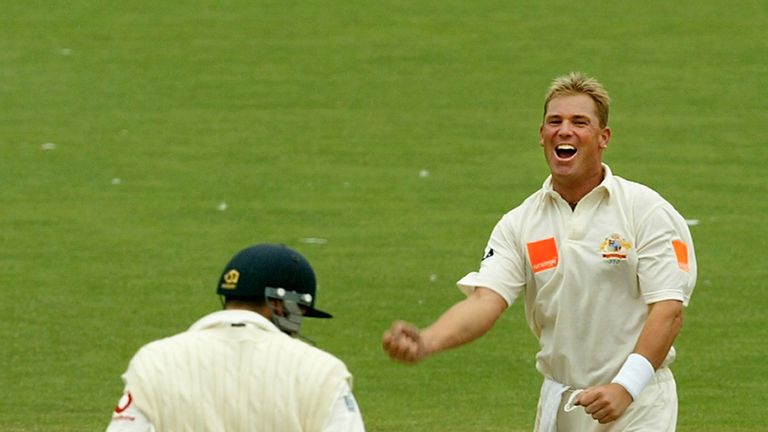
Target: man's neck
{"type": "Point", "coordinates": [573, 191]}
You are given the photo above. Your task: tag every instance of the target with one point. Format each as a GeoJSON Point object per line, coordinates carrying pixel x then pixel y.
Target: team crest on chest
{"type": "Point", "coordinates": [614, 249]}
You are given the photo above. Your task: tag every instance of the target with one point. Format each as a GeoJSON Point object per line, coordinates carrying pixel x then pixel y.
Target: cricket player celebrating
{"type": "Point", "coordinates": [605, 267]}
{"type": "Point", "coordinates": [240, 369]}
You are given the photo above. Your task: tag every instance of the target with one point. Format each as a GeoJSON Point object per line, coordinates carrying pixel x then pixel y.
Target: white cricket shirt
{"type": "Point", "coordinates": [233, 370]}
{"type": "Point", "coordinates": [588, 274]}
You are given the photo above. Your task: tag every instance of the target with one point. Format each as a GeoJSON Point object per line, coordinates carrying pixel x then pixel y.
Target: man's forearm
{"type": "Point", "coordinates": [465, 321]}
{"type": "Point", "coordinates": [665, 319]}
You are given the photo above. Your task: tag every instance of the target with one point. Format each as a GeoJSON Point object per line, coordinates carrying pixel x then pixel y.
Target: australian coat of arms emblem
{"type": "Point", "coordinates": [614, 249]}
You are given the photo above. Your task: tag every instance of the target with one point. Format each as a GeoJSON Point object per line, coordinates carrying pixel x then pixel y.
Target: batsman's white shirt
{"type": "Point", "coordinates": [233, 370]}
{"type": "Point", "coordinates": [588, 274]}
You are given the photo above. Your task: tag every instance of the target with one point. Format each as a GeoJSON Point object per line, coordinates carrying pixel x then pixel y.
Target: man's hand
{"type": "Point", "coordinates": [403, 342]}
{"type": "Point", "coordinates": [605, 403]}
{"type": "Point", "coordinates": [462, 323]}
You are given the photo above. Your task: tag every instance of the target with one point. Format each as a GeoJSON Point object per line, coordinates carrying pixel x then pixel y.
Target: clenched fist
{"type": "Point", "coordinates": [403, 342]}
{"type": "Point", "coordinates": [605, 403]}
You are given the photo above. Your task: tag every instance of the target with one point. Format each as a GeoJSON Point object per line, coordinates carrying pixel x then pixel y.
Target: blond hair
{"type": "Point", "coordinates": [575, 83]}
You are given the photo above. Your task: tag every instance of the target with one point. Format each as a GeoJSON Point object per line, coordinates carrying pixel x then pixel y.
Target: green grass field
{"type": "Point", "coordinates": [397, 132]}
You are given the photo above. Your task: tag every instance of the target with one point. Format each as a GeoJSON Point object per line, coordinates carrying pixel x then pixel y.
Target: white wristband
{"type": "Point", "coordinates": [635, 374]}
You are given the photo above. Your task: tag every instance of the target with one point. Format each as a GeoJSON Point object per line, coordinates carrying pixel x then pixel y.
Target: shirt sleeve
{"type": "Point", "coordinates": [666, 257]}
{"type": "Point", "coordinates": [502, 267]}
{"type": "Point", "coordinates": [345, 413]}
{"type": "Point", "coordinates": [128, 418]}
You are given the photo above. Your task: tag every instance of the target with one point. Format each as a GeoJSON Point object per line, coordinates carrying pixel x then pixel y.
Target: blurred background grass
{"type": "Point", "coordinates": [142, 144]}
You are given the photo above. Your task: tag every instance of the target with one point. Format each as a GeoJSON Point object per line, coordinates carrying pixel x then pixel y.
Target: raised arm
{"type": "Point", "coordinates": [464, 322]}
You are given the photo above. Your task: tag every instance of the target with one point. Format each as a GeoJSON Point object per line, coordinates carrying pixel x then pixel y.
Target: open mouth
{"type": "Point", "coordinates": [565, 151]}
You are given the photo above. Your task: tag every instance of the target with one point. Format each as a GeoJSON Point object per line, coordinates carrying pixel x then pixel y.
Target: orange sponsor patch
{"type": "Point", "coordinates": [681, 253]}
{"type": "Point", "coordinates": [543, 254]}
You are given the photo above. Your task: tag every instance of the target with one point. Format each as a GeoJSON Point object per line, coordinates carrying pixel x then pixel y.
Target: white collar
{"type": "Point", "coordinates": [606, 184]}
{"type": "Point", "coordinates": [226, 318]}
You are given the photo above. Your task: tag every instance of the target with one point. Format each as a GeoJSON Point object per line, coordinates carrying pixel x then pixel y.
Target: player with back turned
{"type": "Point", "coordinates": [605, 267]}
{"type": "Point", "coordinates": [240, 369]}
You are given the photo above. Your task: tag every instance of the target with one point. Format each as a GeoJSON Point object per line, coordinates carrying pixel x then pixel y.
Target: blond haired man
{"type": "Point", "coordinates": [604, 266]}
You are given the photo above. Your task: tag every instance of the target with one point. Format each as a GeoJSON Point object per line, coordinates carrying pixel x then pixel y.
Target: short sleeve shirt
{"type": "Point", "coordinates": [588, 274]}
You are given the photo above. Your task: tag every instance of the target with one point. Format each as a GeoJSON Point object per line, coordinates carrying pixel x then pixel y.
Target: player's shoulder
{"type": "Point", "coordinates": [313, 354]}
{"type": "Point", "coordinates": [634, 192]}
{"type": "Point", "coordinates": [525, 209]}
{"type": "Point", "coordinates": [163, 344]}
{"type": "Point", "coordinates": [310, 362]}
{"type": "Point", "coordinates": [645, 204]}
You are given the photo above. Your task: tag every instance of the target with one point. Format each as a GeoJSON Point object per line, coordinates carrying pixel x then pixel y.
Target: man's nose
{"type": "Point", "coordinates": [566, 128]}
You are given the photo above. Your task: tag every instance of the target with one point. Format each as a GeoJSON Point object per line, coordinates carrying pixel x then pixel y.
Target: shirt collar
{"type": "Point", "coordinates": [606, 184]}
{"type": "Point", "coordinates": [226, 318]}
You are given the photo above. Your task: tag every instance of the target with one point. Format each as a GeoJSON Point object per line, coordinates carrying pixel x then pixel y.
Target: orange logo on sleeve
{"type": "Point", "coordinates": [681, 253]}
{"type": "Point", "coordinates": [543, 254]}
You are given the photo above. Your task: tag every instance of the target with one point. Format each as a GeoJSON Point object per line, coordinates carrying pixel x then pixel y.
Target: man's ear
{"type": "Point", "coordinates": [605, 137]}
{"type": "Point", "coordinates": [274, 307]}
{"type": "Point", "coordinates": [264, 311]}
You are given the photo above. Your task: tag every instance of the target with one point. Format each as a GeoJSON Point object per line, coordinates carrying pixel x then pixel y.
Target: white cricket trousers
{"type": "Point", "coordinates": [654, 411]}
